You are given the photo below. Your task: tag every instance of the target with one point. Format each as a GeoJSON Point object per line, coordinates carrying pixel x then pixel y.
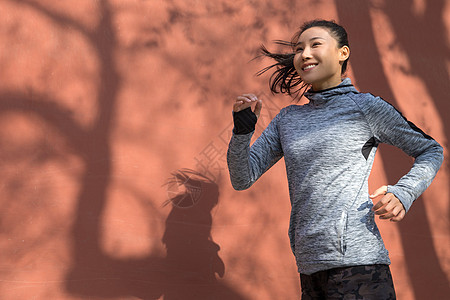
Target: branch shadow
{"type": "Point", "coordinates": [423, 273]}
{"type": "Point", "coordinates": [192, 262]}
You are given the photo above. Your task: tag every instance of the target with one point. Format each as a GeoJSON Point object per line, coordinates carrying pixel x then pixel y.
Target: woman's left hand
{"type": "Point", "coordinates": [388, 207]}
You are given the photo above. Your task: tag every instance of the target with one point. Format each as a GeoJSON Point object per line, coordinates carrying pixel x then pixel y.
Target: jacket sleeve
{"type": "Point", "coordinates": [246, 164]}
{"type": "Point", "coordinates": [389, 126]}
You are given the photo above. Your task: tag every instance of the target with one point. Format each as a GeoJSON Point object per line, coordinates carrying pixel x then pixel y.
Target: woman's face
{"type": "Point", "coordinates": [318, 59]}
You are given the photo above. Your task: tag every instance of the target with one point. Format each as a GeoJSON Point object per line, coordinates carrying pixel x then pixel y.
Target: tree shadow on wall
{"type": "Point", "coordinates": [428, 279]}
{"type": "Point", "coordinates": [189, 269]}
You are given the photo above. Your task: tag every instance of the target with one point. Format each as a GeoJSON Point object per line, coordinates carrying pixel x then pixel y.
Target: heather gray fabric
{"type": "Point", "coordinates": [329, 146]}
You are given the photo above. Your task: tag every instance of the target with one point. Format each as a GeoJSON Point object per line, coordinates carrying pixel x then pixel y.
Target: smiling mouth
{"type": "Point", "coordinates": [309, 67]}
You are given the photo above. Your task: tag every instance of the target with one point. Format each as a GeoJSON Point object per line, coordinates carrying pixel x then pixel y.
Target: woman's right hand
{"type": "Point", "coordinates": [246, 100]}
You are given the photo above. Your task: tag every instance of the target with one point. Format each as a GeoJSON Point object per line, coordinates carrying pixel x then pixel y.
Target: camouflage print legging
{"type": "Point", "coordinates": [357, 282]}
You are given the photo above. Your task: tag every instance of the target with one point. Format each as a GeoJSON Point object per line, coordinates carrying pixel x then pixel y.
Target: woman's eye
{"type": "Point", "coordinates": [298, 49]}
{"type": "Point", "coordinates": [316, 44]}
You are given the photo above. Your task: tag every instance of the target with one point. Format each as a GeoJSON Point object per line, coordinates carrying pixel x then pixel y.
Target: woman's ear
{"type": "Point", "coordinates": [344, 53]}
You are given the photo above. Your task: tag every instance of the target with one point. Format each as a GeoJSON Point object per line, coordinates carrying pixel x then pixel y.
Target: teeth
{"type": "Point", "coordinates": [309, 67]}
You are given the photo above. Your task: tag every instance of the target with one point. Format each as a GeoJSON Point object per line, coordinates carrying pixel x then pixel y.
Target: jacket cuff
{"type": "Point", "coordinates": [244, 121]}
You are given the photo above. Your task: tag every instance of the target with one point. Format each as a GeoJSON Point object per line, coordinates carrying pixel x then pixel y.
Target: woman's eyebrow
{"type": "Point", "coordinates": [311, 39]}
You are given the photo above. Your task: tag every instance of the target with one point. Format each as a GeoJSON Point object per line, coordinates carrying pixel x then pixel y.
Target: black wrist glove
{"type": "Point", "coordinates": [244, 121]}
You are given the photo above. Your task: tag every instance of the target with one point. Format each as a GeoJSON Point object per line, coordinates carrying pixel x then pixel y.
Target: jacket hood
{"type": "Point", "coordinates": [320, 97]}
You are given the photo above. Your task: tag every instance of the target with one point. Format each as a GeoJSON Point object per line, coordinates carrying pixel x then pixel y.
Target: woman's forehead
{"type": "Point", "coordinates": [314, 33]}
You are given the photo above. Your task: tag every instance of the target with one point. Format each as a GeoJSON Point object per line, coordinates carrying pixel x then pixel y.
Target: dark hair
{"type": "Point", "coordinates": [285, 79]}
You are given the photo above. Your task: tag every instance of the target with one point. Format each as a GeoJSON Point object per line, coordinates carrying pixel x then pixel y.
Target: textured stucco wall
{"type": "Point", "coordinates": [114, 123]}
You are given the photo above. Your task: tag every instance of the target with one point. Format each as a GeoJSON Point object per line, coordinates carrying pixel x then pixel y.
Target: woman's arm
{"type": "Point", "coordinates": [246, 164]}
{"type": "Point", "coordinates": [389, 126]}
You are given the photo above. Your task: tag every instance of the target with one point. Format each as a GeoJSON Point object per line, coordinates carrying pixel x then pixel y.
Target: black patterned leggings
{"type": "Point", "coordinates": [357, 282]}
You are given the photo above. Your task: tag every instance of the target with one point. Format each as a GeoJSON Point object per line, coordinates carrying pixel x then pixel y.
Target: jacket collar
{"type": "Point", "coordinates": [321, 97]}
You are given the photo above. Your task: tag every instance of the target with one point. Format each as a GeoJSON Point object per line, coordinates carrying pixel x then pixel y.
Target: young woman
{"type": "Point", "coordinates": [329, 146]}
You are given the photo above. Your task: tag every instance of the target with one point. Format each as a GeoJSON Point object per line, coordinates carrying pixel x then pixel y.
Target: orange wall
{"type": "Point", "coordinates": [110, 110]}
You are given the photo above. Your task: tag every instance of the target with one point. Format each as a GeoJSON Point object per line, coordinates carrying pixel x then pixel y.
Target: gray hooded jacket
{"type": "Point", "coordinates": [329, 146]}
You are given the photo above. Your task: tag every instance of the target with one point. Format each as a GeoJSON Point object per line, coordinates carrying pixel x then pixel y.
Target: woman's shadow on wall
{"type": "Point", "coordinates": [192, 263]}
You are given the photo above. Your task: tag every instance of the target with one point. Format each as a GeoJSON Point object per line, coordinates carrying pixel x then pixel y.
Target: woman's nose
{"type": "Point", "coordinates": [306, 53]}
